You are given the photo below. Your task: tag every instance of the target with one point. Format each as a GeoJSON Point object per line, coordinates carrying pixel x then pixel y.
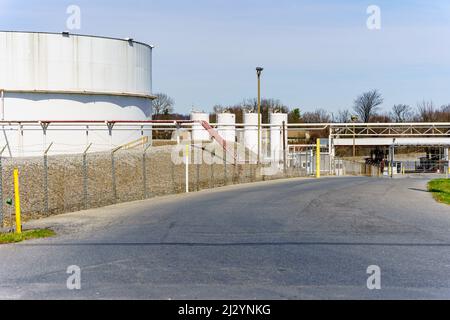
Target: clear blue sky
{"type": "Point", "coordinates": [316, 53]}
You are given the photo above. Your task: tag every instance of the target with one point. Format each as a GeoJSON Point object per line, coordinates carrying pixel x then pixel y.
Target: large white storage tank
{"type": "Point", "coordinates": [49, 76]}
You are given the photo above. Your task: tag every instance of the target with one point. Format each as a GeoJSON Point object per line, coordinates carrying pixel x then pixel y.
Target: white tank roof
{"type": "Point", "coordinates": [226, 118]}
{"type": "Point", "coordinates": [251, 118]}
{"type": "Point", "coordinates": [278, 118]}
{"type": "Point", "coordinates": [34, 62]}
{"type": "Point", "coordinates": [200, 116]}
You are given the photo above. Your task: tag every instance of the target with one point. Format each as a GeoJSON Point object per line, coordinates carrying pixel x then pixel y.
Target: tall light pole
{"type": "Point", "coordinates": [259, 70]}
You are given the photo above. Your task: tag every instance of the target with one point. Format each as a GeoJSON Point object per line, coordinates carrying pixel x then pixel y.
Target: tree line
{"type": "Point", "coordinates": [366, 108]}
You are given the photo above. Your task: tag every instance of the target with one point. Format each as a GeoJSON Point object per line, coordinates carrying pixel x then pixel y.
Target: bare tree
{"type": "Point", "coordinates": [381, 118]}
{"type": "Point", "coordinates": [267, 106]}
{"type": "Point", "coordinates": [426, 111]}
{"type": "Point", "coordinates": [401, 113]}
{"type": "Point", "coordinates": [342, 116]}
{"type": "Point", "coordinates": [219, 109]}
{"type": "Point", "coordinates": [162, 105]}
{"type": "Point", "coordinates": [249, 105]}
{"type": "Point", "coordinates": [446, 108]}
{"type": "Point", "coordinates": [444, 114]}
{"type": "Point", "coordinates": [317, 116]}
{"type": "Point", "coordinates": [274, 105]}
{"type": "Point", "coordinates": [367, 104]}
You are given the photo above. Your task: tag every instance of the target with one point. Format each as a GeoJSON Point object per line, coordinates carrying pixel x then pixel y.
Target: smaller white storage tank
{"type": "Point", "coordinates": [251, 132]}
{"type": "Point", "coordinates": [276, 135]}
{"type": "Point", "coordinates": [227, 126]}
{"type": "Point", "coordinates": [198, 132]}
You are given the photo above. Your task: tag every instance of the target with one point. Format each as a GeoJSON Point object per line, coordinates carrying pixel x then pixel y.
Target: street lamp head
{"type": "Point", "coordinates": [259, 70]}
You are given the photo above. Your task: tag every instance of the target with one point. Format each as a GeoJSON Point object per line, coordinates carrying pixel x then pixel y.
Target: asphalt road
{"type": "Point", "coordinates": [294, 239]}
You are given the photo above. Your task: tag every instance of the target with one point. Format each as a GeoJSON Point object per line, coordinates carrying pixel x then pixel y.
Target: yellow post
{"type": "Point", "coordinates": [17, 201]}
{"type": "Point", "coordinates": [318, 159]}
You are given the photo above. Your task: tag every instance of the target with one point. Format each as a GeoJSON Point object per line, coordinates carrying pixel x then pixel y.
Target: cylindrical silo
{"type": "Point", "coordinates": [226, 124]}
{"type": "Point", "coordinates": [251, 132]}
{"type": "Point", "coordinates": [276, 135]}
{"type": "Point", "coordinates": [51, 76]}
{"type": "Point", "coordinates": [199, 133]}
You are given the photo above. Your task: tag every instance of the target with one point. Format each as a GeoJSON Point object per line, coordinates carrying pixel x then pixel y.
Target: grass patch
{"type": "Point", "coordinates": [26, 235]}
{"type": "Point", "coordinates": [440, 189]}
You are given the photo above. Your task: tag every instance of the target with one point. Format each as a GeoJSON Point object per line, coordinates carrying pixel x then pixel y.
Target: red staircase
{"type": "Point", "coordinates": [216, 136]}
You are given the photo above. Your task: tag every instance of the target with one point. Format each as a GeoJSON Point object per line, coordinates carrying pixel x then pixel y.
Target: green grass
{"type": "Point", "coordinates": [26, 235]}
{"type": "Point", "coordinates": [440, 189]}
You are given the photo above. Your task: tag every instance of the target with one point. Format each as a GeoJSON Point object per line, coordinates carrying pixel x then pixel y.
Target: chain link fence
{"type": "Point", "coordinates": [55, 184]}
{"type": "Point", "coordinates": [58, 184]}
{"type": "Point", "coordinates": [343, 167]}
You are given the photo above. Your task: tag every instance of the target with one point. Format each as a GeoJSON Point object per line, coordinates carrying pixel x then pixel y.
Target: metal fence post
{"type": "Point", "coordinates": [45, 184]}
{"type": "Point", "coordinates": [144, 173]}
{"type": "Point", "coordinates": [211, 184]}
{"type": "Point", "coordinates": [225, 167]}
{"type": "Point", "coordinates": [85, 178]}
{"type": "Point", "coordinates": [113, 173]}
{"type": "Point", "coordinates": [1, 187]}
{"type": "Point", "coordinates": [85, 184]}
{"type": "Point", "coordinates": [172, 175]}
{"type": "Point", "coordinates": [46, 206]}
{"type": "Point", "coordinates": [284, 149]}
{"type": "Point", "coordinates": [113, 177]}
{"type": "Point", "coordinates": [187, 157]}
{"type": "Point", "coordinates": [197, 167]}
{"type": "Point", "coordinates": [1, 192]}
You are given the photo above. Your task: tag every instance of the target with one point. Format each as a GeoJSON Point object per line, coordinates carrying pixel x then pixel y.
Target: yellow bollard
{"type": "Point", "coordinates": [318, 159]}
{"type": "Point", "coordinates": [17, 201]}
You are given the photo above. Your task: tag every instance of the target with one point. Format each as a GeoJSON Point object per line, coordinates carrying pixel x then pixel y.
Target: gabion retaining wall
{"type": "Point", "coordinates": [78, 182]}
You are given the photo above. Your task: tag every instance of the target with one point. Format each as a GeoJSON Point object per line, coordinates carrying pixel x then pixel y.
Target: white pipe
{"type": "Point", "coordinates": [315, 126]}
